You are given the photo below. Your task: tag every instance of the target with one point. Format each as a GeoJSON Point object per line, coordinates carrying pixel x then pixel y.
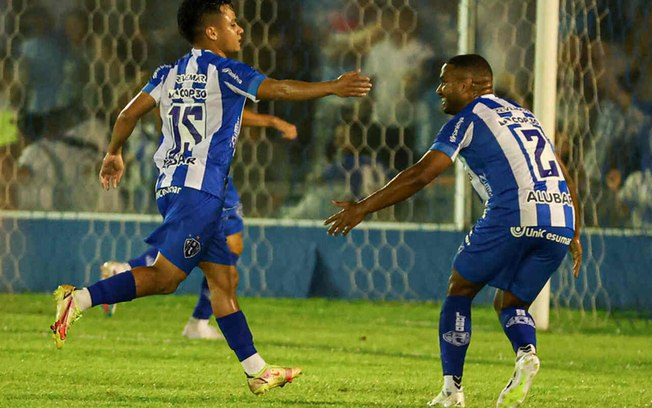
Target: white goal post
{"type": "Point", "coordinates": [545, 104]}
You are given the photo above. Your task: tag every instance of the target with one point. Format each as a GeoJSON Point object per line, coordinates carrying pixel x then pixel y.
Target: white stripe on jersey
{"type": "Point", "coordinates": [195, 175]}
{"type": "Point", "coordinates": [168, 143]}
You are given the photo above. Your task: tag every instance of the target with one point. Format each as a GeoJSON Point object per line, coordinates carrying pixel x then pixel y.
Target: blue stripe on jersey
{"type": "Point", "coordinates": [543, 214]}
{"type": "Point", "coordinates": [568, 210]}
{"type": "Point", "coordinates": [492, 104]}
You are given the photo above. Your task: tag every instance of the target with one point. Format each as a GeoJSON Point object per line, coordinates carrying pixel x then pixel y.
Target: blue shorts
{"type": "Point", "coordinates": [232, 219]}
{"type": "Point", "coordinates": [515, 259]}
{"type": "Point", "coordinates": [192, 229]}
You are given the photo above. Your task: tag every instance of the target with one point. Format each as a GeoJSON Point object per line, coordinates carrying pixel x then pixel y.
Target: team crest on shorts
{"type": "Point", "coordinates": [191, 247]}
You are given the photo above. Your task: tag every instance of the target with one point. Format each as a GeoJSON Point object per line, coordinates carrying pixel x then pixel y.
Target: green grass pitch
{"type": "Point", "coordinates": [354, 354]}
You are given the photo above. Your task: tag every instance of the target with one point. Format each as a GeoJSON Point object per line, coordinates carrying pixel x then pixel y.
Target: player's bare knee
{"type": "Point", "coordinates": [458, 286]}
{"type": "Point", "coordinates": [167, 280]}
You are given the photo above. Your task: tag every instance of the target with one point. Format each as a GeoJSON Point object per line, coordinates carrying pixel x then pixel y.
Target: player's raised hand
{"type": "Point", "coordinates": [352, 83]}
{"type": "Point", "coordinates": [112, 170]}
{"type": "Point", "coordinates": [345, 220]}
{"type": "Point", "coordinates": [576, 253]}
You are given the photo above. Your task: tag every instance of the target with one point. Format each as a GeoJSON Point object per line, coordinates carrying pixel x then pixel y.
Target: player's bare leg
{"type": "Point", "coordinates": [162, 277]}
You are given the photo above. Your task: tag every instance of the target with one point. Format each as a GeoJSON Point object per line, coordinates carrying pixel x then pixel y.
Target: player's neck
{"type": "Point", "coordinates": [210, 47]}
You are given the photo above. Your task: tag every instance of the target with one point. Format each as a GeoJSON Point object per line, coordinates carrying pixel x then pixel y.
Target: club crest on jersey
{"type": "Point", "coordinates": [191, 247]}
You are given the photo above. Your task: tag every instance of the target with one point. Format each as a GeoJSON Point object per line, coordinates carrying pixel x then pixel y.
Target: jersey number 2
{"type": "Point", "coordinates": [542, 152]}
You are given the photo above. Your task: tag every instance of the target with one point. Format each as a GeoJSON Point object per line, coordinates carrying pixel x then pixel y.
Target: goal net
{"type": "Point", "coordinates": [65, 72]}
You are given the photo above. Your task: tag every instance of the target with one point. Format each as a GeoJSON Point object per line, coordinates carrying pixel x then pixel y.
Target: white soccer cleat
{"type": "Point", "coordinates": [107, 270]}
{"type": "Point", "coordinates": [200, 329]}
{"type": "Point", "coordinates": [448, 399]}
{"type": "Point", "coordinates": [527, 366]}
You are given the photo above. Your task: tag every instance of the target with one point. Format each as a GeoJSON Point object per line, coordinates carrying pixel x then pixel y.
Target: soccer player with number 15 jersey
{"type": "Point", "coordinates": [200, 100]}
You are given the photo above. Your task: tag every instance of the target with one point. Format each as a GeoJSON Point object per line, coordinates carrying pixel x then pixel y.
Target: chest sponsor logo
{"type": "Point", "coordinates": [186, 93]}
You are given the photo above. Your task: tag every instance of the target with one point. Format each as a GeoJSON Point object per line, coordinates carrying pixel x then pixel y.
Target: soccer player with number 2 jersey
{"type": "Point", "coordinates": [529, 223]}
{"type": "Point", "coordinates": [200, 99]}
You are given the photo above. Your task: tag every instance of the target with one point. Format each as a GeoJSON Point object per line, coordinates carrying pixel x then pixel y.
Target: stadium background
{"type": "Point", "coordinates": [65, 72]}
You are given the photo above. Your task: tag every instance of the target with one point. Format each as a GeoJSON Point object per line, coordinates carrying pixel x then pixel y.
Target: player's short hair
{"type": "Point", "coordinates": [474, 64]}
{"type": "Point", "coordinates": [191, 13]}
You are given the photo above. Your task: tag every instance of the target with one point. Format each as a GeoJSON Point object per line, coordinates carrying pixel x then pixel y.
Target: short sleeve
{"type": "Point", "coordinates": [153, 87]}
{"type": "Point", "coordinates": [454, 136]}
{"type": "Point", "coordinates": [241, 79]}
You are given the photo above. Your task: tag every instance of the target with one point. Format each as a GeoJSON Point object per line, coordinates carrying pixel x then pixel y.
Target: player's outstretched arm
{"type": "Point", "coordinates": [404, 185]}
{"type": "Point", "coordinates": [113, 165]}
{"type": "Point", "coordinates": [575, 245]}
{"type": "Point", "coordinates": [352, 83]}
{"type": "Point", "coordinates": [251, 118]}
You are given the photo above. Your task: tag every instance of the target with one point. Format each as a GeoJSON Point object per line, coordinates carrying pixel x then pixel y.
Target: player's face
{"type": "Point", "coordinates": [453, 89]}
{"type": "Point", "coordinates": [228, 32]}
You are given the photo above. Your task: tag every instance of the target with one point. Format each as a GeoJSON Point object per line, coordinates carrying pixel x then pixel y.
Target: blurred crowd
{"type": "Point", "coordinates": [67, 69]}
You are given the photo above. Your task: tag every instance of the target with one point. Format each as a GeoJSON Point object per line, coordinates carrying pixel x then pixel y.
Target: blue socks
{"type": "Point", "coordinates": [118, 288]}
{"type": "Point", "coordinates": [237, 334]}
{"type": "Point", "coordinates": [203, 309]}
{"type": "Point", "coordinates": [454, 333]}
{"type": "Point", "coordinates": [519, 327]}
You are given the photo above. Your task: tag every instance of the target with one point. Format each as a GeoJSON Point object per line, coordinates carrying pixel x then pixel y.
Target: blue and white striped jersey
{"type": "Point", "coordinates": [511, 164]}
{"type": "Point", "coordinates": [200, 98]}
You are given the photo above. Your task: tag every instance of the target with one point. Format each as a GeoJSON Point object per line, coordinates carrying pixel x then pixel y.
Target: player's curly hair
{"type": "Point", "coordinates": [191, 12]}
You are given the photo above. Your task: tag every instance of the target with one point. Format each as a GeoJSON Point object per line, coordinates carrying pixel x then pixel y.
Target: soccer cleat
{"type": "Point", "coordinates": [448, 399]}
{"type": "Point", "coordinates": [527, 366]}
{"type": "Point", "coordinates": [67, 313]}
{"type": "Point", "coordinates": [272, 377]}
{"type": "Point", "coordinates": [107, 270]}
{"type": "Point", "coordinates": [200, 329]}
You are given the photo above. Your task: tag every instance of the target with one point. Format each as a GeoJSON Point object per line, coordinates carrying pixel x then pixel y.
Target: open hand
{"type": "Point", "coordinates": [345, 220]}
{"type": "Point", "coordinates": [352, 83]}
{"type": "Point", "coordinates": [112, 170]}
